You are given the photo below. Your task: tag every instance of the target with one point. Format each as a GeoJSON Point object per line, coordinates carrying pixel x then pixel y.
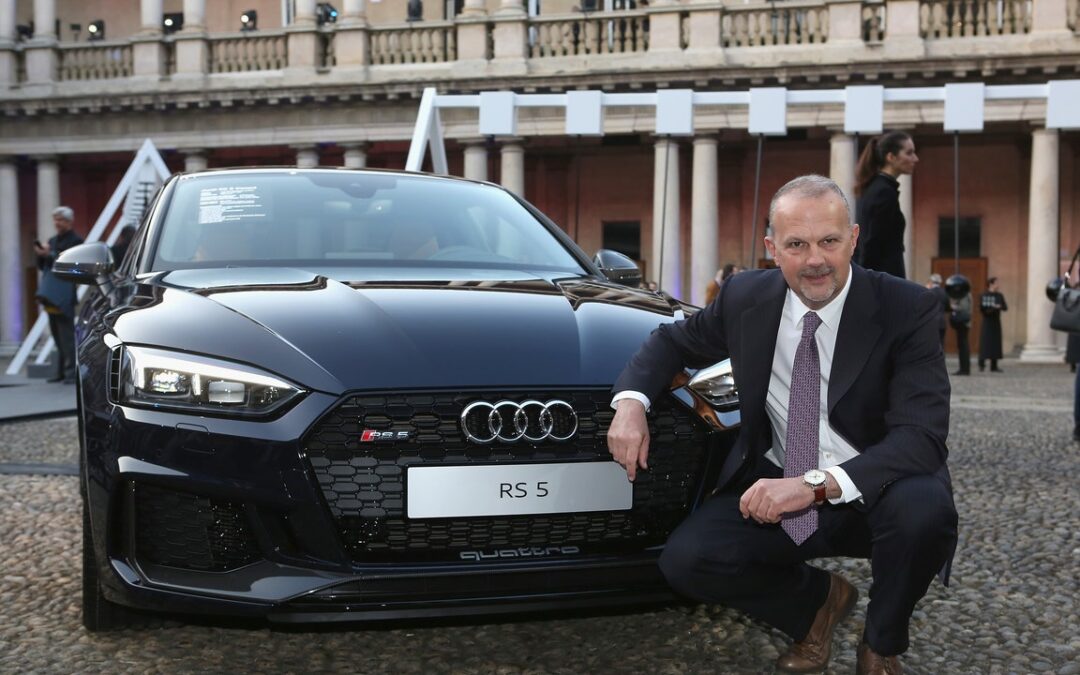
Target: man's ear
{"type": "Point", "coordinates": [770, 246]}
{"type": "Point", "coordinates": [854, 235]}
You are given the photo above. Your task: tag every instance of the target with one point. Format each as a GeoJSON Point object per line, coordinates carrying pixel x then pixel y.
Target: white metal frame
{"type": "Point", "coordinates": [767, 106]}
{"type": "Point", "coordinates": [146, 154]}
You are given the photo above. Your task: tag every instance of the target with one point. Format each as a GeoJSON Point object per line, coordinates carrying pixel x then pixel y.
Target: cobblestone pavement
{"type": "Point", "coordinates": [1012, 606]}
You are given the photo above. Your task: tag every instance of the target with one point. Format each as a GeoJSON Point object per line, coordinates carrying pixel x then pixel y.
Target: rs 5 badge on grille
{"type": "Point", "coordinates": [372, 436]}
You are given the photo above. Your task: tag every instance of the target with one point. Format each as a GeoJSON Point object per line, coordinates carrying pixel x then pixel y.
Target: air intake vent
{"type": "Point", "coordinates": [116, 358]}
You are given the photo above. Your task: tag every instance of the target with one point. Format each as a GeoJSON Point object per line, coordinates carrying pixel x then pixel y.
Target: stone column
{"type": "Point", "coordinates": [48, 195]}
{"type": "Point", "coordinates": [704, 219]}
{"type": "Point", "coordinates": [902, 36]}
{"type": "Point", "coordinates": [476, 159]}
{"type": "Point", "coordinates": [41, 56]}
{"type": "Point", "coordinates": [307, 156]}
{"type": "Point", "coordinates": [842, 165]}
{"type": "Point", "coordinates": [195, 158]}
{"type": "Point", "coordinates": [192, 51]}
{"type": "Point", "coordinates": [148, 51]}
{"type": "Point", "coordinates": [351, 35]}
{"type": "Point", "coordinates": [7, 43]}
{"type": "Point", "coordinates": [1042, 246]}
{"type": "Point", "coordinates": [195, 14]}
{"type": "Point", "coordinates": [509, 35]}
{"type": "Point", "coordinates": [907, 207]}
{"type": "Point", "coordinates": [11, 250]}
{"type": "Point", "coordinates": [512, 170]}
{"type": "Point", "coordinates": [355, 155]}
{"type": "Point", "coordinates": [303, 40]}
{"type": "Point", "coordinates": [472, 39]}
{"type": "Point", "coordinates": [665, 26]}
{"type": "Point", "coordinates": [1050, 16]}
{"type": "Point", "coordinates": [704, 29]}
{"type": "Point", "coordinates": [666, 268]}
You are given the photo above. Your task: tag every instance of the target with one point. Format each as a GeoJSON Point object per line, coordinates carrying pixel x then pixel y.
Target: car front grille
{"type": "Point", "coordinates": [363, 484]}
{"type": "Point", "coordinates": [189, 531]}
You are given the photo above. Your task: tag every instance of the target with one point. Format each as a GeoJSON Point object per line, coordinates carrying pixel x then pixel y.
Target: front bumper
{"type": "Point", "coordinates": [231, 518]}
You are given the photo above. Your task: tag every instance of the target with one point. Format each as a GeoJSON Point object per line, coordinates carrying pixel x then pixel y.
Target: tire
{"type": "Point", "coordinates": [98, 613]}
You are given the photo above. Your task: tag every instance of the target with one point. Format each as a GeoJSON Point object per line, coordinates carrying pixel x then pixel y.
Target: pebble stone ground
{"type": "Point", "coordinates": [1012, 607]}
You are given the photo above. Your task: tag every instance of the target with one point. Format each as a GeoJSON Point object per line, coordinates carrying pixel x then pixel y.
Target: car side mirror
{"type": "Point", "coordinates": [84, 264]}
{"type": "Point", "coordinates": [617, 267]}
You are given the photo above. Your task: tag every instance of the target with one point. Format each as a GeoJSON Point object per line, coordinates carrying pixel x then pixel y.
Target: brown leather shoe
{"type": "Point", "coordinates": [869, 662]}
{"type": "Point", "coordinates": [812, 654]}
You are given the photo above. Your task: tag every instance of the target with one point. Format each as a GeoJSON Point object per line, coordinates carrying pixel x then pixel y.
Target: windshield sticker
{"type": "Point", "coordinates": [230, 204]}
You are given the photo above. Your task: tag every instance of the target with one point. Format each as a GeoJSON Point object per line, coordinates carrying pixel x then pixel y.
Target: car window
{"type": "Point", "coordinates": [348, 219]}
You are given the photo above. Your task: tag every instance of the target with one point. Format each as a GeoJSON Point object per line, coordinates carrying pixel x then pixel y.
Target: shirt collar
{"type": "Point", "coordinates": [794, 309]}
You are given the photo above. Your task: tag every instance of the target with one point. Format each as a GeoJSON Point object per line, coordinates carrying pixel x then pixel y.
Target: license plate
{"type": "Point", "coordinates": [517, 489]}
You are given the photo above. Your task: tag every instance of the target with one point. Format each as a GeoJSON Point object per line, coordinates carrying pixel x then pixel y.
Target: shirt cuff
{"type": "Point", "coordinates": [636, 395]}
{"type": "Point", "coordinates": [848, 491]}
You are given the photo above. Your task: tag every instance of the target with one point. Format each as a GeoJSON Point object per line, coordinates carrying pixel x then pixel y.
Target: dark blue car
{"type": "Point", "coordinates": [324, 395]}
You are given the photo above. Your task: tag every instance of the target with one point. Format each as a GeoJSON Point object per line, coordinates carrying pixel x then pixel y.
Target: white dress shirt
{"type": "Point", "coordinates": [833, 450]}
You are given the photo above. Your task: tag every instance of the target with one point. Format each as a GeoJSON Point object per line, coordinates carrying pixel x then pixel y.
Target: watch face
{"type": "Point", "coordinates": [814, 477]}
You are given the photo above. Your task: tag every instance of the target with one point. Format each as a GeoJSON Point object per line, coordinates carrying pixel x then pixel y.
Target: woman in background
{"type": "Point", "coordinates": [881, 224]}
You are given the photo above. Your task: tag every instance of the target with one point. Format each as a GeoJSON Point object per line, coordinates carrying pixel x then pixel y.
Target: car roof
{"type": "Point", "coordinates": [252, 170]}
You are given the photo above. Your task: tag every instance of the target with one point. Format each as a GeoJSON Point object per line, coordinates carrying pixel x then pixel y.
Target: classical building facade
{"type": "Point", "coordinates": [337, 84]}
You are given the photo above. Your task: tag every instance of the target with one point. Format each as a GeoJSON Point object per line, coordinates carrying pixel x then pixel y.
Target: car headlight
{"type": "Point", "coordinates": [163, 379]}
{"type": "Point", "coordinates": [712, 394]}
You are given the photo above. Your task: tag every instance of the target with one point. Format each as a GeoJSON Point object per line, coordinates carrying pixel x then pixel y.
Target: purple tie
{"type": "Point", "coordinates": [804, 415]}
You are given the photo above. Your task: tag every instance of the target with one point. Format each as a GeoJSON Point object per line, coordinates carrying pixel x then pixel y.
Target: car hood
{"type": "Point", "coordinates": [497, 329]}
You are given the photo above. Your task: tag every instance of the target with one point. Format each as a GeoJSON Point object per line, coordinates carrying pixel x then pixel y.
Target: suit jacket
{"type": "Point", "coordinates": [881, 227]}
{"type": "Point", "coordinates": [888, 390]}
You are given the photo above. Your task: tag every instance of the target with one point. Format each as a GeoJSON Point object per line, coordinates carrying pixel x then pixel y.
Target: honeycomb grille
{"type": "Point", "coordinates": [181, 529]}
{"type": "Point", "coordinates": [364, 483]}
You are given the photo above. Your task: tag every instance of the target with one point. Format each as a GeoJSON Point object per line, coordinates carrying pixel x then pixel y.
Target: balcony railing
{"type": "Point", "coordinates": [428, 42]}
{"type": "Point", "coordinates": [248, 51]}
{"type": "Point", "coordinates": [619, 32]}
{"type": "Point", "coordinates": [766, 24]}
{"type": "Point", "coordinates": [757, 25]}
{"type": "Point", "coordinates": [100, 61]}
{"type": "Point", "coordinates": [974, 18]}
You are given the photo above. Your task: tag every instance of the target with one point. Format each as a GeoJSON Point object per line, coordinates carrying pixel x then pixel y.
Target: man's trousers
{"type": "Point", "coordinates": [717, 556]}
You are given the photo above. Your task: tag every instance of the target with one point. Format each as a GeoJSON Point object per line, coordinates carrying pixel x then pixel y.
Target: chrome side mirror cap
{"type": "Point", "coordinates": [84, 264]}
{"type": "Point", "coordinates": [617, 267]}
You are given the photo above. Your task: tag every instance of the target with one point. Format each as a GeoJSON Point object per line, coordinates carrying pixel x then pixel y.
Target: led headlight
{"type": "Point", "coordinates": [165, 379]}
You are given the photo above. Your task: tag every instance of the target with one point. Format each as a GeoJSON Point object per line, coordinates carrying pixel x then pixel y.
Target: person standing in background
{"type": "Point", "coordinates": [960, 319]}
{"type": "Point", "coordinates": [57, 297]}
{"type": "Point", "coordinates": [881, 223]}
{"type": "Point", "coordinates": [991, 304]}
{"type": "Point", "coordinates": [123, 241]}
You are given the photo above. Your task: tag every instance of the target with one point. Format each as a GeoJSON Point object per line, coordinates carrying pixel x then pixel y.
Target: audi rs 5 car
{"type": "Point", "coordinates": [325, 395]}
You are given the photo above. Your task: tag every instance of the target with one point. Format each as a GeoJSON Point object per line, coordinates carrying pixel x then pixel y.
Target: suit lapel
{"type": "Point", "coordinates": [759, 325]}
{"type": "Point", "coordinates": [855, 339]}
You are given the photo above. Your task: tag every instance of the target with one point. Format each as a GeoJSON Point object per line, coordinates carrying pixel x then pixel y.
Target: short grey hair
{"type": "Point", "coordinates": [64, 213]}
{"type": "Point", "coordinates": [810, 185]}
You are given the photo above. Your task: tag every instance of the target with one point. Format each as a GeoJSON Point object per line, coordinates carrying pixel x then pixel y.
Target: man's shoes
{"type": "Point", "coordinates": [58, 378]}
{"type": "Point", "coordinates": [962, 372]}
{"type": "Point", "coordinates": [996, 370]}
{"type": "Point", "coordinates": [869, 662]}
{"type": "Point", "coordinates": [812, 654]}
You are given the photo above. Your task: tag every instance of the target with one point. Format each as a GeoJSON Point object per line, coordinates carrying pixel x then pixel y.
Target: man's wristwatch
{"type": "Point", "coordinates": [815, 479]}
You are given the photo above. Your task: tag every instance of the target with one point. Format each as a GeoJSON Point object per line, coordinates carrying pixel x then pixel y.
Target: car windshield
{"type": "Point", "coordinates": [319, 219]}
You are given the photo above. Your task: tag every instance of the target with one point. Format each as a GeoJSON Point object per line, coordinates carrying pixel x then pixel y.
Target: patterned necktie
{"type": "Point", "coordinates": [801, 448]}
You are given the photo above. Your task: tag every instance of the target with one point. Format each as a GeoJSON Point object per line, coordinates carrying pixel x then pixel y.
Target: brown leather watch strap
{"type": "Point", "coordinates": [819, 493]}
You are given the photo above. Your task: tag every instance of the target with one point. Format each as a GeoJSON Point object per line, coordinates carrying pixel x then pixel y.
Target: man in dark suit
{"type": "Point", "coordinates": [844, 399]}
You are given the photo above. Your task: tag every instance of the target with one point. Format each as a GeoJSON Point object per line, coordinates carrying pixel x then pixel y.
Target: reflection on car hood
{"type": "Point", "coordinates": [408, 329]}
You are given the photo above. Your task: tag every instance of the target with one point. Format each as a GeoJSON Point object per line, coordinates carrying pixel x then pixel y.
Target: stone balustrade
{"type": "Point", "coordinates": [619, 32]}
{"type": "Point", "coordinates": [247, 51]}
{"type": "Point", "coordinates": [688, 31]}
{"type": "Point", "coordinates": [767, 25]}
{"type": "Point", "coordinates": [974, 18]}
{"type": "Point", "coordinates": [427, 42]}
{"type": "Point", "coordinates": [100, 61]}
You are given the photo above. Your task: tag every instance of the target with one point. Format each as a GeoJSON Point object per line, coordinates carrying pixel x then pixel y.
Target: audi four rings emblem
{"type": "Point", "coordinates": [510, 421]}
